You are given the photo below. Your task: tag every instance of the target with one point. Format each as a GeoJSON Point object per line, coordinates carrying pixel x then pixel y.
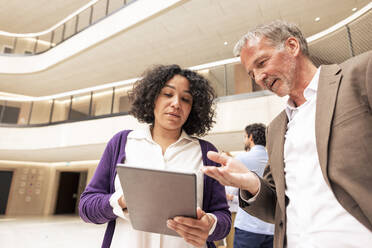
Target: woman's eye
{"type": "Point", "coordinates": [186, 100]}
{"type": "Point", "coordinates": [168, 94]}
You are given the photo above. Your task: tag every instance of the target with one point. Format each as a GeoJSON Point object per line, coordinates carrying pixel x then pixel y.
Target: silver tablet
{"type": "Point", "coordinates": [154, 196]}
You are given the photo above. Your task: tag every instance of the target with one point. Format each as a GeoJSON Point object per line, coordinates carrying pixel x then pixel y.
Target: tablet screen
{"type": "Point", "coordinates": [154, 196]}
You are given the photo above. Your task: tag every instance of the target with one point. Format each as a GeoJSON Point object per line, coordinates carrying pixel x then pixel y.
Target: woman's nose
{"type": "Point", "coordinates": [175, 102]}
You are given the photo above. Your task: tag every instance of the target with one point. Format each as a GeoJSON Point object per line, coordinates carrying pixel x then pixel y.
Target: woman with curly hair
{"type": "Point", "coordinates": [177, 104]}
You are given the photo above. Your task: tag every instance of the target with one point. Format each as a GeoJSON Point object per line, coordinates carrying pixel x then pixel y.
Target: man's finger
{"type": "Point", "coordinates": [216, 174]}
{"type": "Point", "coordinates": [218, 158]}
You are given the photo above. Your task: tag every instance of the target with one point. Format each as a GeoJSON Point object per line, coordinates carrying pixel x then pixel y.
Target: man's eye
{"type": "Point", "coordinates": [262, 62]}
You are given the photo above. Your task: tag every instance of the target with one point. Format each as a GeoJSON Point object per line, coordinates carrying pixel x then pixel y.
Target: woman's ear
{"type": "Point", "coordinates": [293, 46]}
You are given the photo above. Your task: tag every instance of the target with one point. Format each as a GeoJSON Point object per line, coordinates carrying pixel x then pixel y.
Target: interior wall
{"type": "Point", "coordinates": [243, 83]}
{"type": "Point", "coordinates": [28, 188]}
{"type": "Point", "coordinates": [41, 112]}
{"type": "Point", "coordinates": [23, 45]}
{"type": "Point", "coordinates": [24, 113]}
{"type": "Point", "coordinates": [60, 110]}
{"type": "Point", "coordinates": [34, 186]}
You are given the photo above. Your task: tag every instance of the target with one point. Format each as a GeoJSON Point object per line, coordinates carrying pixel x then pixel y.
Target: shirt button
{"type": "Point", "coordinates": [281, 223]}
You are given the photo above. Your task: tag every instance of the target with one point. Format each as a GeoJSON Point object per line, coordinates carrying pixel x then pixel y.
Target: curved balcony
{"type": "Point", "coordinates": [227, 77]}
{"type": "Point", "coordinates": [40, 42]}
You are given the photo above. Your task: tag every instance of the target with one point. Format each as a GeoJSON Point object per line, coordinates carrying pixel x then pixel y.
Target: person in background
{"type": "Point", "coordinates": [251, 232]}
{"type": "Point", "coordinates": [317, 183]}
{"type": "Point", "coordinates": [177, 104]}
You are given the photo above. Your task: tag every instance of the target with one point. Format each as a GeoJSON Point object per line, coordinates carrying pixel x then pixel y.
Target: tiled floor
{"type": "Point", "coordinates": [49, 232]}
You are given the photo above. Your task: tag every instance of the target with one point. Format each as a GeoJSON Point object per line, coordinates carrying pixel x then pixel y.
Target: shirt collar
{"type": "Point", "coordinates": [257, 147]}
{"type": "Point", "coordinates": [145, 133]}
{"type": "Point", "coordinates": [309, 92]}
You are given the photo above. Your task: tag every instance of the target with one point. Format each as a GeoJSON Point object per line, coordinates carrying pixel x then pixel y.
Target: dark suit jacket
{"type": "Point", "coordinates": [343, 129]}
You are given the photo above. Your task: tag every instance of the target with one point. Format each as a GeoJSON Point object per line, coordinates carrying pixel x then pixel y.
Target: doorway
{"type": "Point", "coordinates": [5, 182]}
{"type": "Point", "coordinates": [69, 190]}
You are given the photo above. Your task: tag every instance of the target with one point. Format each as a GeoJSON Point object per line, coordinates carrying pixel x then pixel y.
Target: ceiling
{"type": "Point", "coordinates": [188, 34]}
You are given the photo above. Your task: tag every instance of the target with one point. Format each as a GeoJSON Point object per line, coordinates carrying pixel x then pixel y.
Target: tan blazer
{"type": "Point", "coordinates": [343, 130]}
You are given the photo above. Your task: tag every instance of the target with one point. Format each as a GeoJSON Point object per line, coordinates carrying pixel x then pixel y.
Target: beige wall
{"type": "Point", "coordinates": [41, 112]}
{"type": "Point", "coordinates": [24, 112]}
{"type": "Point", "coordinates": [34, 186]}
{"type": "Point", "coordinates": [60, 110]}
{"type": "Point", "coordinates": [243, 83]}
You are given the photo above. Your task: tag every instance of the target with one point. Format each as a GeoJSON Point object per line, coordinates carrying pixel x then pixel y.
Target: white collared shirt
{"type": "Point", "coordinates": [183, 155]}
{"type": "Point", "coordinates": [314, 216]}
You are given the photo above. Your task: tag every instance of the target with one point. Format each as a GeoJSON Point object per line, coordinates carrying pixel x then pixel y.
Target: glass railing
{"type": "Point", "coordinates": [36, 43]}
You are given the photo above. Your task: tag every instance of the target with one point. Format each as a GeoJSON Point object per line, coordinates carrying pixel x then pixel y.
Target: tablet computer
{"type": "Point", "coordinates": [154, 196]}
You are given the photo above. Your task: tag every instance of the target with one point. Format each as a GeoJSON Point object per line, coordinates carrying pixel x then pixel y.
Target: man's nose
{"type": "Point", "coordinates": [260, 78]}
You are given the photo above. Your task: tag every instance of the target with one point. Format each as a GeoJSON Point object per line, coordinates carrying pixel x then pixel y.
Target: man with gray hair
{"type": "Point", "coordinates": [316, 185]}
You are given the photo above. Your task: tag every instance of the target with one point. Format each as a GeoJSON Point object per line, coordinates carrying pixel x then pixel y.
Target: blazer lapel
{"type": "Point", "coordinates": [277, 133]}
{"type": "Point", "coordinates": [329, 81]}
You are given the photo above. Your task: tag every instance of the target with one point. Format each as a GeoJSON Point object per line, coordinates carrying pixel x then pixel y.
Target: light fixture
{"type": "Point", "coordinates": [354, 9]}
{"type": "Point", "coordinates": [225, 43]}
{"type": "Point", "coordinates": [317, 19]}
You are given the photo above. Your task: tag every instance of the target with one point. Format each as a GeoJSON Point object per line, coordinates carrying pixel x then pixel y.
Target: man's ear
{"type": "Point", "coordinates": [293, 46]}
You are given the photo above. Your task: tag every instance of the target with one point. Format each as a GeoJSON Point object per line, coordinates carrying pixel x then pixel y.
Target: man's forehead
{"type": "Point", "coordinates": [254, 48]}
{"type": "Point", "coordinates": [254, 41]}
{"type": "Point", "coordinates": [249, 53]}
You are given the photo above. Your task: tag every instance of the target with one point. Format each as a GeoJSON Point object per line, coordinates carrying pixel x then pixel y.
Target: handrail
{"type": "Point", "coordinates": [28, 35]}
{"type": "Point", "coordinates": [48, 44]}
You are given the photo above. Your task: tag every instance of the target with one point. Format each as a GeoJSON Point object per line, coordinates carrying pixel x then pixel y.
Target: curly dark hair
{"type": "Point", "coordinates": [146, 90]}
{"type": "Point", "coordinates": [258, 133]}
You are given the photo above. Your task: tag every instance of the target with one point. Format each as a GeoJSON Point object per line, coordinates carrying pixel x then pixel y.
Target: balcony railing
{"type": "Point", "coordinates": [36, 43]}
{"type": "Point", "coordinates": [227, 78]}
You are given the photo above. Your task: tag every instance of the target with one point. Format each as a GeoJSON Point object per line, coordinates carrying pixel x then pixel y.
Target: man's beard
{"type": "Point", "coordinates": [247, 147]}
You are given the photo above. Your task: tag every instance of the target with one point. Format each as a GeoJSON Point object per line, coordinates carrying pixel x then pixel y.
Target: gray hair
{"type": "Point", "coordinates": [277, 32]}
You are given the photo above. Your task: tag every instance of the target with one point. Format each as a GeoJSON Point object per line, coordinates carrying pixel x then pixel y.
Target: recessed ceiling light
{"type": "Point", "coordinates": [354, 9]}
{"type": "Point", "coordinates": [317, 19]}
{"type": "Point", "coordinates": [225, 43]}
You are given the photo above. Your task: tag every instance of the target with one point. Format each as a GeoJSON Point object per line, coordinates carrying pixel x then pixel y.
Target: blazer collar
{"type": "Point", "coordinates": [329, 81]}
{"type": "Point", "coordinates": [277, 135]}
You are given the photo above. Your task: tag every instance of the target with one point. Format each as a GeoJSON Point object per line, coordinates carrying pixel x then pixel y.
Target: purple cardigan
{"type": "Point", "coordinates": [94, 203]}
